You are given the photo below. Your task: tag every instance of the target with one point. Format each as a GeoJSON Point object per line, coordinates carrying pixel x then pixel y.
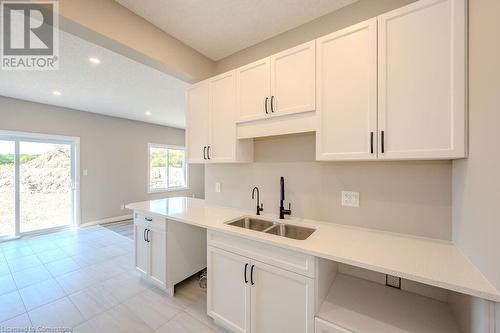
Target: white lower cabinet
{"type": "Point", "coordinates": [150, 252]}
{"type": "Point", "coordinates": [281, 301]}
{"type": "Point", "coordinates": [247, 295]}
{"type": "Point", "coordinates": [228, 290]}
{"type": "Point", "coordinates": [167, 252]}
{"type": "Point", "coordinates": [142, 248]}
{"type": "Point", "coordinates": [158, 248]}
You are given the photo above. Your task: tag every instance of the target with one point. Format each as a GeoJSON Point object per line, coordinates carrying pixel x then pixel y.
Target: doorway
{"type": "Point", "coordinates": [39, 183]}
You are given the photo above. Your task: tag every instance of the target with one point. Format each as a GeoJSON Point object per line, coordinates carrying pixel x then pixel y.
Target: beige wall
{"type": "Point", "coordinates": [107, 23]}
{"type": "Point", "coordinates": [357, 12]}
{"type": "Point", "coordinates": [406, 197]}
{"type": "Point", "coordinates": [476, 181]}
{"type": "Point", "coordinates": [113, 150]}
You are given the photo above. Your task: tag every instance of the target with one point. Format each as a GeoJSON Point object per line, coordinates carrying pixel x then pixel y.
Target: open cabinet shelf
{"type": "Point", "coordinates": [361, 306]}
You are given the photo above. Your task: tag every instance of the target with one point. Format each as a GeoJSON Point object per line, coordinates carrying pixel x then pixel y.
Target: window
{"type": "Point", "coordinates": [167, 168]}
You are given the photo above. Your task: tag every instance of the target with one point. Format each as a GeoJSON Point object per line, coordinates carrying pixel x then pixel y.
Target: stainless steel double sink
{"type": "Point", "coordinates": [274, 228]}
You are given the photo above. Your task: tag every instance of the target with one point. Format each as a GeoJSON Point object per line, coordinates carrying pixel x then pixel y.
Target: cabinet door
{"type": "Point", "coordinates": [253, 90]}
{"type": "Point", "coordinates": [422, 110]}
{"type": "Point", "coordinates": [142, 250]}
{"type": "Point", "coordinates": [293, 84]}
{"type": "Point", "coordinates": [282, 301]}
{"type": "Point", "coordinates": [347, 93]}
{"type": "Point", "coordinates": [158, 247]}
{"type": "Point", "coordinates": [222, 118]}
{"type": "Point", "coordinates": [197, 116]}
{"type": "Point", "coordinates": [228, 299]}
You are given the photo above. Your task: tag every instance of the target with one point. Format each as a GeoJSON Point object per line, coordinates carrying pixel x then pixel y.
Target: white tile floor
{"type": "Point", "coordinates": [84, 279]}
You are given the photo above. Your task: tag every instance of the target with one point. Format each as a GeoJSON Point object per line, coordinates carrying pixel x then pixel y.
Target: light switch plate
{"type": "Point", "coordinates": [350, 199]}
{"type": "Point", "coordinates": [217, 187]}
{"type": "Point", "coordinates": [85, 172]}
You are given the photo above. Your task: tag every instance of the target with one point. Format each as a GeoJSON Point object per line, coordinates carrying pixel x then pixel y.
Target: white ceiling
{"type": "Point", "coordinates": [117, 87]}
{"type": "Point", "coordinates": [222, 27]}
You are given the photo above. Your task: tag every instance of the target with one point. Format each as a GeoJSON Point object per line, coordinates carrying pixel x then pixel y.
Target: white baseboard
{"type": "Point", "coordinates": [108, 220]}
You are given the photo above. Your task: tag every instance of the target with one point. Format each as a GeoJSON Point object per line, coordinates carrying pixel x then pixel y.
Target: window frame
{"type": "Point", "coordinates": [186, 169]}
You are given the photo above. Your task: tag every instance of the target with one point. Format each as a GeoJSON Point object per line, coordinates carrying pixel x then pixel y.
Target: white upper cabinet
{"type": "Point", "coordinates": [293, 80]}
{"type": "Point", "coordinates": [211, 123]}
{"type": "Point", "coordinates": [392, 87]}
{"type": "Point", "coordinates": [197, 116]}
{"type": "Point", "coordinates": [253, 90]}
{"type": "Point", "coordinates": [422, 88]}
{"type": "Point", "coordinates": [278, 85]}
{"type": "Point", "coordinates": [347, 93]}
{"type": "Point", "coordinates": [222, 118]}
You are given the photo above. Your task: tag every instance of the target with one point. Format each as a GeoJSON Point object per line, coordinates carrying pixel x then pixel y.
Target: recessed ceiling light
{"type": "Point", "coordinates": [148, 113]}
{"type": "Point", "coordinates": [95, 60]}
{"type": "Point", "coordinates": [56, 92]}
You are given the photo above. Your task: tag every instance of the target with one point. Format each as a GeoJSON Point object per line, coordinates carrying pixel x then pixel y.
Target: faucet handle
{"type": "Point", "coordinates": [260, 208]}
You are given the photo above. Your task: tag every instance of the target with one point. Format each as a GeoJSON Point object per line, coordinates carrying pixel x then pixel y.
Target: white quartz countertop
{"type": "Point", "coordinates": [434, 262]}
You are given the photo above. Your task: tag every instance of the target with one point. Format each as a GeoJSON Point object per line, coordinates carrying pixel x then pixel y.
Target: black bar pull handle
{"type": "Point", "coordinates": [383, 141]}
{"type": "Point", "coordinates": [245, 274]}
{"type": "Point", "coordinates": [251, 275]}
{"type": "Point", "coordinates": [265, 105]}
{"type": "Point", "coordinates": [144, 235]}
{"type": "Point", "coordinates": [208, 152]}
{"type": "Point", "coordinates": [147, 236]}
{"type": "Point", "coordinates": [272, 104]}
{"type": "Point", "coordinates": [205, 152]}
{"type": "Point", "coordinates": [371, 142]}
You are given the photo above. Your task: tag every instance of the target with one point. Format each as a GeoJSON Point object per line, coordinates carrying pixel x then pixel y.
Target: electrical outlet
{"type": "Point", "coordinates": [85, 172]}
{"type": "Point", "coordinates": [350, 199]}
{"type": "Point", "coordinates": [217, 187]}
{"type": "Point", "coordinates": [393, 281]}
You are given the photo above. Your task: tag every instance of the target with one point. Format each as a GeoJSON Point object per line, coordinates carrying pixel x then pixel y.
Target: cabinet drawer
{"type": "Point", "coordinates": [150, 221]}
{"type": "Point", "coordinates": [322, 326]}
{"type": "Point", "coordinates": [290, 260]}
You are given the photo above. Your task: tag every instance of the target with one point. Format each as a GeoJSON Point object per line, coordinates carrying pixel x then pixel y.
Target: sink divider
{"type": "Point", "coordinates": [275, 225]}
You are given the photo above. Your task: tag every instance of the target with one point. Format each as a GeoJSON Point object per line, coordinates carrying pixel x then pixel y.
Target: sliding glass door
{"type": "Point", "coordinates": [7, 189]}
{"type": "Point", "coordinates": [37, 183]}
{"type": "Point", "coordinates": [46, 181]}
